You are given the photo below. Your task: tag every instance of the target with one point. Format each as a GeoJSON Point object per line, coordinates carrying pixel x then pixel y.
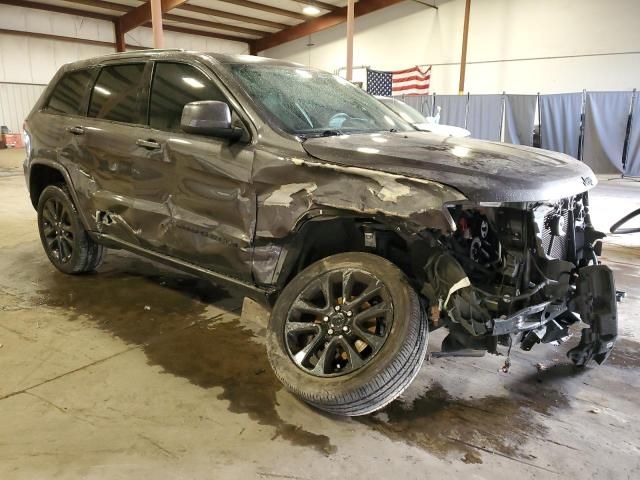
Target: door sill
{"type": "Point", "coordinates": [257, 293]}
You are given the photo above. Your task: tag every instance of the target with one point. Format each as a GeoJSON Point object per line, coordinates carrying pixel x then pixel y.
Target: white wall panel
{"type": "Point", "coordinates": [506, 40]}
{"type": "Point", "coordinates": [16, 101]}
{"type": "Point", "coordinates": [33, 60]}
{"type": "Point", "coordinates": [27, 61]}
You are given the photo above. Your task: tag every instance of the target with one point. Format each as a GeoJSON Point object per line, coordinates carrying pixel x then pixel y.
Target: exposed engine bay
{"type": "Point", "coordinates": [521, 272]}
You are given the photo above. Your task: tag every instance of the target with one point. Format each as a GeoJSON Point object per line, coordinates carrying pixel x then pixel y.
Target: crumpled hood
{"type": "Point", "coordinates": [482, 171]}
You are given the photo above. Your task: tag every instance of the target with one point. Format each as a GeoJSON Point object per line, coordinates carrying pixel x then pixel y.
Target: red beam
{"type": "Point", "coordinates": [62, 38]}
{"type": "Point", "coordinates": [202, 33]}
{"type": "Point", "coordinates": [320, 23]}
{"type": "Point", "coordinates": [118, 7]}
{"type": "Point", "coordinates": [142, 14]}
{"type": "Point", "coordinates": [232, 16]}
{"type": "Point", "coordinates": [121, 46]}
{"type": "Point", "coordinates": [102, 16]}
{"type": "Point", "coordinates": [266, 8]}
{"type": "Point", "coordinates": [55, 8]}
{"type": "Point", "coordinates": [322, 5]}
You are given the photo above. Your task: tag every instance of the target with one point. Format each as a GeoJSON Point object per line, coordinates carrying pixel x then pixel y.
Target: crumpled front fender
{"type": "Point", "coordinates": [289, 188]}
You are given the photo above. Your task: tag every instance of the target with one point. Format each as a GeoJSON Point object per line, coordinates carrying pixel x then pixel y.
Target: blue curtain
{"type": "Point", "coordinates": [605, 130]}
{"type": "Point", "coordinates": [454, 109]}
{"type": "Point", "coordinates": [519, 119]}
{"type": "Point", "coordinates": [422, 103]}
{"type": "Point", "coordinates": [484, 119]}
{"type": "Point", "coordinates": [560, 122]}
{"type": "Point", "coordinates": [633, 155]}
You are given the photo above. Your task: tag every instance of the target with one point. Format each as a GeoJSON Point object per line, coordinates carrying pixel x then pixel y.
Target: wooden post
{"type": "Point", "coordinates": [463, 59]}
{"type": "Point", "coordinates": [120, 43]}
{"type": "Point", "coordinates": [350, 22]}
{"type": "Point", "coordinates": [156, 23]}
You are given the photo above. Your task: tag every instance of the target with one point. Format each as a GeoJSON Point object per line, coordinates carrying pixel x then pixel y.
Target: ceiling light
{"type": "Point", "coordinates": [311, 10]}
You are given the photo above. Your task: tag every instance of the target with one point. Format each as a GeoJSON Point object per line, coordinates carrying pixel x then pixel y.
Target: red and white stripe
{"type": "Point", "coordinates": [412, 81]}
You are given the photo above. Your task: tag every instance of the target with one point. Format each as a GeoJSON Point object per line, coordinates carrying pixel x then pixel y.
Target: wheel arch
{"type": "Point", "coordinates": [322, 233]}
{"type": "Point", "coordinates": [43, 173]}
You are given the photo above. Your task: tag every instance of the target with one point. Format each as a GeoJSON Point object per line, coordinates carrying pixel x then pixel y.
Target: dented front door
{"type": "Point", "coordinates": [212, 205]}
{"type": "Point", "coordinates": [193, 193]}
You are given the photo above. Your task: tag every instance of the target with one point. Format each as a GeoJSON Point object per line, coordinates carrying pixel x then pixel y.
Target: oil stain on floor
{"type": "Point", "coordinates": [166, 314]}
{"type": "Point", "coordinates": [448, 426]}
{"type": "Point", "coordinates": [626, 354]}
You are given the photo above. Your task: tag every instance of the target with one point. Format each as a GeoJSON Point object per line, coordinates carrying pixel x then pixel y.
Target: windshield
{"type": "Point", "coordinates": [410, 114]}
{"type": "Point", "coordinates": [309, 102]}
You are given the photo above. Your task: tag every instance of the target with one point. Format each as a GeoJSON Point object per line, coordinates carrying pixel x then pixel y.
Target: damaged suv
{"type": "Point", "coordinates": [292, 184]}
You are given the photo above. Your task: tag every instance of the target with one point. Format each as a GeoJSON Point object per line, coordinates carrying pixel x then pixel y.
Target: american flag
{"type": "Point", "coordinates": [412, 81]}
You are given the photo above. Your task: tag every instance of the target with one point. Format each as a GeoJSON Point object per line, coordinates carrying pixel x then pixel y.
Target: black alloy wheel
{"type": "Point", "coordinates": [339, 322]}
{"type": "Point", "coordinates": [347, 334]}
{"type": "Point", "coordinates": [64, 239]}
{"type": "Point", "coordinates": [57, 230]}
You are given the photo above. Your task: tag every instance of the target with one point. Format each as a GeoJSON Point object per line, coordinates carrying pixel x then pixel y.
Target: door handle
{"type": "Point", "coordinates": [149, 144]}
{"type": "Point", "coordinates": [76, 130]}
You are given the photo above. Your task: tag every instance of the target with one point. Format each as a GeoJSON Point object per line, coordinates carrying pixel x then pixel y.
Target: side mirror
{"type": "Point", "coordinates": [209, 117]}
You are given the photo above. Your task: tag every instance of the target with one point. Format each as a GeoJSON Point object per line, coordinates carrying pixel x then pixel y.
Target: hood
{"type": "Point", "coordinates": [482, 171]}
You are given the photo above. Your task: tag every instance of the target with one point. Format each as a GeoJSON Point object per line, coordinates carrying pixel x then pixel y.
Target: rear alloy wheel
{"type": "Point", "coordinates": [63, 236]}
{"type": "Point", "coordinates": [347, 334]}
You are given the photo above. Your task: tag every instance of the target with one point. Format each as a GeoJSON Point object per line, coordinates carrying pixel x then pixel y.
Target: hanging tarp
{"type": "Point", "coordinates": [605, 130]}
{"type": "Point", "coordinates": [519, 119]}
{"type": "Point", "coordinates": [422, 103]}
{"type": "Point", "coordinates": [484, 119]}
{"type": "Point", "coordinates": [453, 111]}
{"type": "Point", "coordinates": [633, 154]}
{"type": "Point", "coordinates": [560, 122]}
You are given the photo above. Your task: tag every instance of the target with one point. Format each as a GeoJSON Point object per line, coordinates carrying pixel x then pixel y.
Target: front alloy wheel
{"type": "Point", "coordinates": [347, 334]}
{"type": "Point", "coordinates": [339, 322]}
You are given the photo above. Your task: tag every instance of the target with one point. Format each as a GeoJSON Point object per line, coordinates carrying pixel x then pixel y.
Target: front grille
{"type": "Point", "coordinates": [555, 246]}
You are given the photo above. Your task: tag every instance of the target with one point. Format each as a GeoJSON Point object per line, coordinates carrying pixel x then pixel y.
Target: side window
{"type": "Point", "coordinates": [174, 85]}
{"type": "Point", "coordinates": [68, 93]}
{"type": "Point", "coordinates": [115, 94]}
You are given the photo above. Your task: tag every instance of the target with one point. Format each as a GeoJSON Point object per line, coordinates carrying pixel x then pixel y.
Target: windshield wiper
{"type": "Point", "coordinates": [324, 133]}
{"type": "Point", "coordinates": [331, 133]}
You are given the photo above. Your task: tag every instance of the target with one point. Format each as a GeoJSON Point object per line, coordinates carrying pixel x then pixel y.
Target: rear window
{"type": "Point", "coordinates": [115, 94]}
{"type": "Point", "coordinates": [69, 92]}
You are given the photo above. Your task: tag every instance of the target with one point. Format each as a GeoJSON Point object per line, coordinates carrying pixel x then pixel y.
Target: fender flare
{"type": "Point", "coordinates": [67, 178]}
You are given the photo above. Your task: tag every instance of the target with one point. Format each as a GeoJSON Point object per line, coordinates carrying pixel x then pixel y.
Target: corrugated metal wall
{"type": "Point", "coordinates": [16, 101]}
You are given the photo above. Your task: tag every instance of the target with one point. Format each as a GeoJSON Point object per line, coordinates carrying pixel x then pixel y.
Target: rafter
{"type": "Point", "coordinates": [142, 14]}
{"type": "Point", "coordinates": [64, 38]}
{"type": "Point", "coordinates": [317, 24]}
{"type": "Point", "coordinates": [231, 16]}
{"type": "Point", "coordinates": [210, 24]}
{"type": "Point", "coordinates": [201, 33]}
{"type": "Point", "coordinates": [322, 5]}
{"type": "Point", "coordinates": [118, 7]}
{"type": "Point", "coordinates": [266, 8]}
{"type": "Point", "coordinates": [57, 9]}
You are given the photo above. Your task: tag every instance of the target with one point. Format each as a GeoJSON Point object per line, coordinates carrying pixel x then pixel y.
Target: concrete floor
{"type": "Point", "coordinates": [141, 371]}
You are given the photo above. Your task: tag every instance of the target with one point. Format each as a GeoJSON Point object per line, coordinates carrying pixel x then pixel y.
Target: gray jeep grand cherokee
{"type": "Point", "coordinates": [294, 185]}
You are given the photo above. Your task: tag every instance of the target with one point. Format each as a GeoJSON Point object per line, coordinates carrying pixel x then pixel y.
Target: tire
{"type": "Point", "coordinates": [394, 356]}
{"type": "Point", "coordinates": [63, 237]}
